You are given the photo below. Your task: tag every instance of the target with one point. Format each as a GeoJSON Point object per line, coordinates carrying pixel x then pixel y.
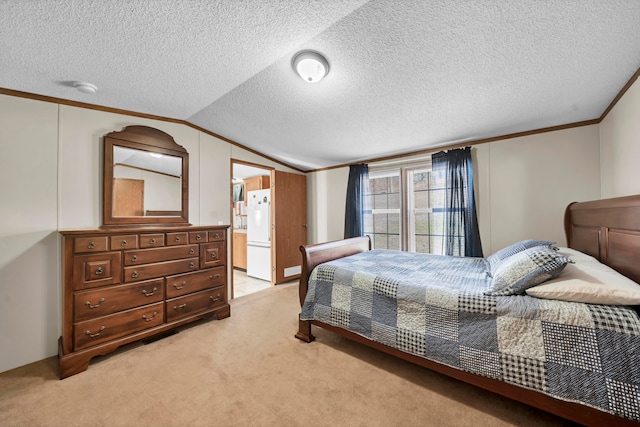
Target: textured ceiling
{"type": "Point", "coordinates": [405, 76]}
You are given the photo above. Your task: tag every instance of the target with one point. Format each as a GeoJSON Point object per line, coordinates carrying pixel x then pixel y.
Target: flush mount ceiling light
{"type": "Point", "coordinates": [311, 66]}
{"type": "Point", "coordinates": [85, 87]}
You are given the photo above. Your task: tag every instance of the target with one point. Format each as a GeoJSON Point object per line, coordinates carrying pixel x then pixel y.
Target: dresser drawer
{"type": "Point", "coordinates": [151, 240]}
{"type": "Point", "coordinates": [217, 235]}
{"type": "Point", "coordinates": [91, 271]}
{"type": "Point", "coordinates": [213, 254]}
{"type": "Point", "coordinates": [147, 256]}
{"type": "Point", "coordinates": [96, 331]}
{"type": "Point", "coordinates": [90, 244]}
{"type": "Point", "coordinates": [124, 242]}
{"type": "Point", "coordinates": [181, 238]}
{"type": "Point", "coordinates": [197, 237]}
{"type": "Point", "coordinates": [195, 303]}
{"type": "Point", "coordinates": [182, 284]}
{"type": "Point", "coordinates": [100, 302]}
{"type": "Point", "coordinates": [159, 269]}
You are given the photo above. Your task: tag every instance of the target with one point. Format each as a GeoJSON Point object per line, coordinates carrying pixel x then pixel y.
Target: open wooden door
{"type": "Point", "coordinates": [289, 213]}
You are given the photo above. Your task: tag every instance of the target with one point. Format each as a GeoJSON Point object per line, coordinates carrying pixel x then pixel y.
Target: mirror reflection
{"type": "Point", "coordinates": [146, 183]}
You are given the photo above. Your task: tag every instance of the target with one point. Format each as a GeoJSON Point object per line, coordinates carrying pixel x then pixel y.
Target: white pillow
{"type": "Point", "coordinates": [576, 256]}
{"type": "Point", "coordinates": [590, 282]}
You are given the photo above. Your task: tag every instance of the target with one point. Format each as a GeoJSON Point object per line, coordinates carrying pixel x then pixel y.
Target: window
{"type": "Point", "coordinates": [382, 209]}
{"type": "Point", "coordinates": [404, 209]}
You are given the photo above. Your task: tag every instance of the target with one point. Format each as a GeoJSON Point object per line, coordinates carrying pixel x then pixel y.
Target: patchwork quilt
{"type": "Point", "coordinates": [435, 307]}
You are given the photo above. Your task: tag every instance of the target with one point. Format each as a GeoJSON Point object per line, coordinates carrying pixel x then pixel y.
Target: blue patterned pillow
{"type": "Point", "coordinates": [495, 259]}
{"type": "Point", "coordinates": [525, 269]}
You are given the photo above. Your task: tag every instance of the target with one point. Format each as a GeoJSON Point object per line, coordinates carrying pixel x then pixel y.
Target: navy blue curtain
{"type": "Point", "coordinates": [462, 236]}
{"type": "Point", "coordinates": [353, 216]}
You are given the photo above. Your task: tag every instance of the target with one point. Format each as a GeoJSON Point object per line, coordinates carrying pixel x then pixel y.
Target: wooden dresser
{"type": "Point", "coordinates": [127, 284]}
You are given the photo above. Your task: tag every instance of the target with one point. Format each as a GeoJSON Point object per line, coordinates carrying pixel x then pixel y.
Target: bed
{"type": "Point", "coordinates": [579, 360]}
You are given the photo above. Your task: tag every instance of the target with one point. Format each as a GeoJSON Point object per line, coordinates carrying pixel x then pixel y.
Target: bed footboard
{"type": "Point", "coordinates": [312, 255]}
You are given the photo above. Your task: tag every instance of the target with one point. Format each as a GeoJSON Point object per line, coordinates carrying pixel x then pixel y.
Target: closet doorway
{"type": "Point", "coordinates": [251, 228]}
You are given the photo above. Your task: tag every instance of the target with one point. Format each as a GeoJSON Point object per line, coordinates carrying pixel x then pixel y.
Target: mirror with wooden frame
{"type": "Point", "coordinates": [146, 178]}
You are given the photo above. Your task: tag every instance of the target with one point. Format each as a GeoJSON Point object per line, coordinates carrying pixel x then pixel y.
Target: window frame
{"type": "Point", "coordinates": [407, 226]}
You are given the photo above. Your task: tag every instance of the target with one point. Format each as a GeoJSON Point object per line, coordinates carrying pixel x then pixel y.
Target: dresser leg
{"type": "Point", "coordinates": [223, 312]}
{"type": "Point", "coordinates": [71, 364]}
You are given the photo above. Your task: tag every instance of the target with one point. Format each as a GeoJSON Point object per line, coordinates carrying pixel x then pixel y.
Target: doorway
{"type": "Point", "coordinates": [251, 255]}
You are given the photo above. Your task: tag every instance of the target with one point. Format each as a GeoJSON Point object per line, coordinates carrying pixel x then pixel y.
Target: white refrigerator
{"type": "Point", "coordinates": [259, 234]}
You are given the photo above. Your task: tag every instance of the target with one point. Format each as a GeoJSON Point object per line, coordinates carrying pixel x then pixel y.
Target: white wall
{"type": "Point", "coordinates": [29, 255]}
{"type": "Point", "coordinates": [523, 186]}
{"type": "Point", "coordinates": [326, 200]}
{"type": "Point", "coordinates": [51, 178]}
{"type": "Point", "coordinates": [620, 146]}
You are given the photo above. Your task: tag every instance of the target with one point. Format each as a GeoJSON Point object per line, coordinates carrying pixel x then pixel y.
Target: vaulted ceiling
{"type": "Point", "coordinates": [405, 75]}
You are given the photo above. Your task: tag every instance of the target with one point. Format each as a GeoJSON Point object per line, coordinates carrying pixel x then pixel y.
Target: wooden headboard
{"type": "Point", "coordinates": [609, 230]}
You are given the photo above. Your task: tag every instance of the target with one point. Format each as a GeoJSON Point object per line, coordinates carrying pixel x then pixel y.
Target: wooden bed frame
{"type": "Point", "coordinates": [607, 229]}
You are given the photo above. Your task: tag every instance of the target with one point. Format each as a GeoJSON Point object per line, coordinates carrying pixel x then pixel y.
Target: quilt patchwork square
{"type": "Point", "coordinates": [360, 324]}
{"type": "Point", "coordinates": [411, 316]}
{"type": "Point", "coordinates": [566, 313]}
{"type": "Point", "coordinates": [340, 317]}
{"type": "Point", "coordinates": [480, 362]}
{"type": "Point", "coordinates": [522, 307]}
{"type": "Point", "coordinates": [410, 341]}
{"type": "Point", "coordinates": [361, 302]}
{"type": "Point", "coordinates": [577, 384]}
{"type": "Point", "coordinates": [524, 371]}
{"type": "Point", "coordinates": [521, 337]}
{"type": "Point", "coordinates": [624, 398]}
{"type": "Point", "coordinates": [324, 273]}
{"type": "Point", "coordinates": [477, 303]}
{"type": "Point", "coordinates": [385, 286]}
{"type": "Point", "coordinates": [441, 323]}
{"type": "Point", "coordinates": [441, 297]}
{"type": "Point", "coordinates": [386, 309]}
{"type": "Point", "coordinates": [363, 281]}
{"type": "Point", "coordinates": [341, 297]}
{"type": "Point", "coordinates": [323, 293]}
{"type": "Point", "coordinates": [321, 311]}
{"type": "Point", "coordinates": [614, 367]}
{"type": "Point", "coordinates": [571, 346]}
{"type": "Point", "coordinates": [478, 330]}
{"type": "Point", "coordinates": [617, 319]}
{"type": "Point", "coordinates": [384, 334]}
{"type": "Point", "coordinates": [441, 350]}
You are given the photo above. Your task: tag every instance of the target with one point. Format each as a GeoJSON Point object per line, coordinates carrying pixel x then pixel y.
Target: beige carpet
{"type": "Point", "coordinates": [249, 370]}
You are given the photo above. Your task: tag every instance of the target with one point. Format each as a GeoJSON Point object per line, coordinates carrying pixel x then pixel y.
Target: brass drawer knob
{"type": "Point", "coordinates": [198, 237]}
{"type": "Point", "coordinates": [91, 245]}
{"type": "Point", "coordinates": [152, 241]}
{"type": "Point", "coordinates": [191, 265]}
{"type": "Point", "coordinates": [177, 239]}
{"type": "Point", "coordinates": [123, 243]}
{"type": "Point", "coordinates": [216, 236]}
{"type": "Point", "coordinates": [99, 271]}
{"type": "Point", "coordinates": [192, 251]}
{"type": "Point", "coordinates": [134, 258]}
{"type": "Point", "coordinates": [134, 274]}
